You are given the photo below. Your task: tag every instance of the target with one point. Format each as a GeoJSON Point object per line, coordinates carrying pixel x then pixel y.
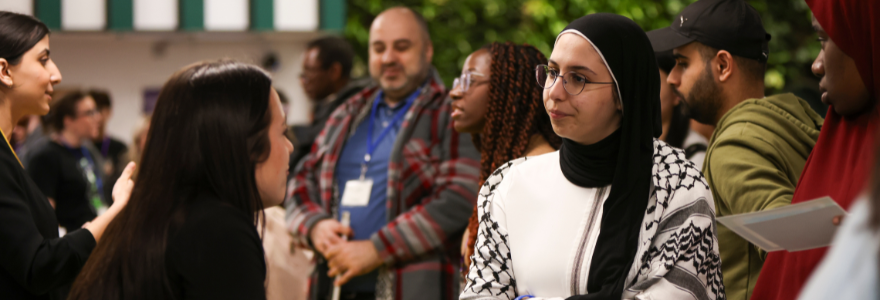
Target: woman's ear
{"type": "Point", "coordinates": [5, 76]}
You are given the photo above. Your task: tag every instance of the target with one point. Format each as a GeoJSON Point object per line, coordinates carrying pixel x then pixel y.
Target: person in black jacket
{"type": "Point", "coordinates": [34, 262]}
{"type": "Point", "coordinates": [65, 167]}
{"type": "Point", "coordinates": [327, 82]}
{"type": "Point", "coordinates": [114, 151]}
{"type": "Point", "coordinates": [190, 229]}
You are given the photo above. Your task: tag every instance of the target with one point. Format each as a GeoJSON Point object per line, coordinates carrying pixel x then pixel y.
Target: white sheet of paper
{"type": "Point", "coordinates": [802, 226]}
{"type": "Point", "coordinates": [357, 192]}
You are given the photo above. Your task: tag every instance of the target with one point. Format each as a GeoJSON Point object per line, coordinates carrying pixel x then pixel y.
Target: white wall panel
{"type": "Point", "coordinates": [227, 15]}
{"type": "Point", "coordinates": [296, 15]}
{"type": "Point", "coordinates": [19, 6]}
{"type": "Point", "coordinates": [155, 15]}
{"type": "Point", "coordinates": [83, 14]}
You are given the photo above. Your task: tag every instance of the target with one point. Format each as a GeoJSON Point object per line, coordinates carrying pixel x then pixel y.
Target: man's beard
{"type": "Point", "coordinates": [704, 101]}
{"type": "Point", "coordinates": [409, 79]}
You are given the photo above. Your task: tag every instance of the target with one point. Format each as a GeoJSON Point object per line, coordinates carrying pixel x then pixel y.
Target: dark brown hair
{"type": "Point", "coordinates": [102, 99]}
{"type": "Point", "coordinates": [64, 108]}
{"type": "Point", "coordinates": [207, 134]}
{"type": "Point", "coordinates": [334, 49]}
{"type": "Point", "coordinates": [752, 68]}
{"type": "Point", "coordinates": [18, 34]}
{"type": "Point", "coordinates": [515, 112]}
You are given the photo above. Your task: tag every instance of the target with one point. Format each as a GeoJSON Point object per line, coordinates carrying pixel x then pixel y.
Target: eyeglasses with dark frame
{"type": "Point", "coordinates": [572, 82]}
{"type": "Point", "coordinates": [465, 81]}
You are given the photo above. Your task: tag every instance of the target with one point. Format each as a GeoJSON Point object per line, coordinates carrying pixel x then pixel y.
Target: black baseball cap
{"type": "Point", "coordinates": [731, 25]}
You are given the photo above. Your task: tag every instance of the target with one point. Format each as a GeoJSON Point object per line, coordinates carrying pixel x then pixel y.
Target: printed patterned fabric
{"type": "Point", "coordinates": [433, 178]}
{"type": "Point", "coordinates": [678, 251]}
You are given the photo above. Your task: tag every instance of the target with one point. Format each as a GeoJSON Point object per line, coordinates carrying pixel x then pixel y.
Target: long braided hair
{"type": "Point", "coordinates": [515, 113]}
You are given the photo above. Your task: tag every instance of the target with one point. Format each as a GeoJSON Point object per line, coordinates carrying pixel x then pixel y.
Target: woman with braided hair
{"type": "Point", "coordinates": [496, 101]}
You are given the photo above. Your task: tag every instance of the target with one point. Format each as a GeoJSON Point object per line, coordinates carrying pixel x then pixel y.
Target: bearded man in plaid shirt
{"type": "Point", "coordinates": [389, 159]}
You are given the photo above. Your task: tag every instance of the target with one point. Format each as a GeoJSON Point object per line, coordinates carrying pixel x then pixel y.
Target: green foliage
{"type": "Point", "coordinates": [459, 27]}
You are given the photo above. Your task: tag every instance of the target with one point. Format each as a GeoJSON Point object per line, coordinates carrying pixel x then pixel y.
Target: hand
{"type": "Point", "coordinates": [837, 220]}
{"type": "Point", "coordinates": [121, 193]}
{"type": "Point", "coordinates": [327, 233]}
{"type": "Point", "coordinates": [122, 188]}
{"type": "Point", "coordinates": [352, 259]}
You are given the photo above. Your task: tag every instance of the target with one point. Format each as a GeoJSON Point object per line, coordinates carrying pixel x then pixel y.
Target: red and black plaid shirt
{"type": "Point", "coordinates": [433, 178]}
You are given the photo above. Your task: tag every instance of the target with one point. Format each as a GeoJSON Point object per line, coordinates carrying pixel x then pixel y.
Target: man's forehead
{"type": "Point", "coordinates": [395, 25]}
{"type": "Point", "coordinates": [313, 53]}
{"type": "Point", "coordinates": [684, 50]}
{"type": "Point", "coordinates": [393, 34]}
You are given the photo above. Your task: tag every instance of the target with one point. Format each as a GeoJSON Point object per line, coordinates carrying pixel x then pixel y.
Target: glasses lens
{"type": "Point", "coordinates": [455, 83]}
{"type": "Point", "coordinates": [545, 76]}
{"type": "Point", "coordinates": [574, 83]}
{"type": "Point", "coordinates": [541, 75]}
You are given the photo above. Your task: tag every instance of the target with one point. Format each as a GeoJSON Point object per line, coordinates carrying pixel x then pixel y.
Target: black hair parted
{"type": "Point", "coordinates": [18, 34]}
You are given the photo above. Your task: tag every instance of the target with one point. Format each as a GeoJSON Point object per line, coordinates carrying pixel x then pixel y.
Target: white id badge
{"type": "Point", "coordinates": [357, 192]}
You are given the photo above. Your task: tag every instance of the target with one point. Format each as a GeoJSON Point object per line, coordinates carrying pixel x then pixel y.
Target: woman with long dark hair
{"type": "Point", "coordinates": [34, 262]}
{"type": "Point", "coordinates": [615, 213]}
{"type": "Point", "coordinates": [503, 116]}
{"type": "Point", "coordinates": [216, 154]}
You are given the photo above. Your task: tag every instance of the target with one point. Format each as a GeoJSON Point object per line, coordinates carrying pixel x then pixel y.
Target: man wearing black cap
{"type": "Point", "coordinates": [760, 144]}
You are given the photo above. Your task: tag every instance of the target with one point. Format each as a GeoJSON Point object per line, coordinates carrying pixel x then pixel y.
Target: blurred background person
{"type": "Point", "coordinates": [190, 230]}
{"type": "Point", "coordinates": [288, 266]}
{"type": "Point", "coordinates": [35, 134]}
{"type": "Point", "coordinates": [326, 79]}
{"type": "Point", "coordinates": [393, 147]}
{"type": "Point", "coordinates": [65, 169]}
{"type": "Point", "coordinates": [34, 262]}
{"type": "Point", "coordinates": [113, 151]}
{"type": "Point", "coordinates": [139, 141]}
{"type": "Point", "coordinates": [503, 115]}
{"type": "Point", "coordinates": [19, 134]}
{"type": "Point", "coordinates": [840, 164]}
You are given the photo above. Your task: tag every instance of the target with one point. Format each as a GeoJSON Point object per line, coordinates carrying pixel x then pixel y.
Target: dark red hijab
{"type": "Point", "coordinates": [839, 165]}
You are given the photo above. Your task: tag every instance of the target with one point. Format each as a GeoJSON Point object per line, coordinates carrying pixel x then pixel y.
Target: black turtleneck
{"type": "Point", "coordinates": [590, 166]}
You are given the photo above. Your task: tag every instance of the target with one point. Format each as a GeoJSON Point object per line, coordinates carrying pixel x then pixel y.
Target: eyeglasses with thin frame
{"type": "Point", "coordinates": [465, 81]}
{"type": "Point", "coordinates": [572, 82]}
{"type": "Point", "coordinates": [89, 113]}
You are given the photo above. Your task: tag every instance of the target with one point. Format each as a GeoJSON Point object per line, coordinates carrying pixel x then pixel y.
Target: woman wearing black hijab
{"type": "Point", "coordinates": [615, 213]}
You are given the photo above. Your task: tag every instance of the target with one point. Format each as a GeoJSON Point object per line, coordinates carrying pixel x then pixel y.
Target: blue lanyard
{"type": "Point", "coordinates": [371, 145]}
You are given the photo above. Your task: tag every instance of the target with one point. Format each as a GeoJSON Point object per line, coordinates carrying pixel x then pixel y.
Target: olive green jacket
{"type": "Point", "coordinates": [753, 163]}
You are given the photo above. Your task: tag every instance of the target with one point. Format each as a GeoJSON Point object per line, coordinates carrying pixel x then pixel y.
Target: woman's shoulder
{"type": "Point", "coordinates": [672, 170]}
{"type": "Point", "coordinates": [532, 164]}
{"type": "Point", "coordinates": [211, 223]}
{"type": "Point", "coordinates": [206, 213]}
{"type": "Point", "coordinates": [215, 242]}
